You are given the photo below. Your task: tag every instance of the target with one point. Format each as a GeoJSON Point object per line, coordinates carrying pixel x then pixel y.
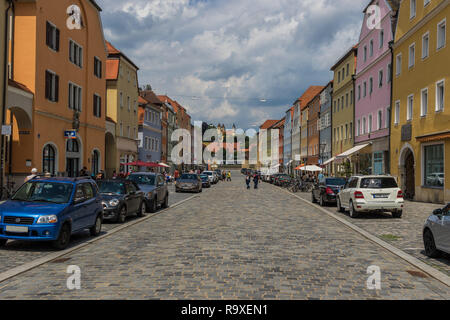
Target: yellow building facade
{"type": "Point", "coordinates": [122, 112]}
{"type": "Point", "coordinates": [343, 106]}
{"type": "Point", "coordinates": [420, 124]}
{"type": "Point", "coordinates": [58, 60]}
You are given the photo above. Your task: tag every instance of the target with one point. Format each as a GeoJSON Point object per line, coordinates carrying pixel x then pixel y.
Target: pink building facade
{"type": "Point", "coordinates": [373, 83]}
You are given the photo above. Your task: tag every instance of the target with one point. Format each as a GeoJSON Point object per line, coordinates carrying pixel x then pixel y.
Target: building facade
{"type": "Point", "coordinates": [122, 111]}
{"type": "Point", "coordinates": [325, 144]}
{"type": "Point", "coordinates": [61, 67]}
{"type": "Point", "coordinates": [3, 77]}
{"type": "Point", "coordinates": [150, 135]}
{"type": "Point", "coordinates": [313, 131]}
{"type": "Point", "coordinates": [420, 135]}
{"type": "Point", "coordinates": [296, 134]}
{"type": "Point", "coordinates": [373, 92]}
{"type": "Point", "coordinates": [343, 109]}
{"type": "Point", "coordinates": [287, 141]}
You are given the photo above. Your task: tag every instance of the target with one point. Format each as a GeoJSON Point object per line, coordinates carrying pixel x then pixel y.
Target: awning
{"type": "Point", "coordinates": [276, 166]}
{"type": "Point", "coordinates": [434, 137]}
{"type": "Point", "coordinates": [289, 163]}
{"type": "Point", "coordinates": [329, 161]}
{"type": "Point", "coordinates": [312, 168]}
{"type": "Point", "coordinates": [352, 151]}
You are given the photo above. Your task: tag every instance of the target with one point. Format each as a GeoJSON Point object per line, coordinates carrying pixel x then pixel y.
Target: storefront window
{"type": "Point", "coordinates": [378, 163]}
{"type": "Point", "coordinates": [434, 166]}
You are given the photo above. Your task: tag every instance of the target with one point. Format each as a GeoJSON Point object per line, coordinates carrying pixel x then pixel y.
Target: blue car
{"type": "Point", "coordinates": [52, 209]}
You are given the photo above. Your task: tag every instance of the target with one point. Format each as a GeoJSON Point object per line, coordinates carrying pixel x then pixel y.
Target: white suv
{"type": "Point", "coordinates": [371, 194]}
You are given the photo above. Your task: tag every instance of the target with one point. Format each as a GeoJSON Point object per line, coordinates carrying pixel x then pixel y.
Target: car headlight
{"type": "Point", "coordinates": [114, 202]}
{"type": "Point", "coordinates": [47, 219]}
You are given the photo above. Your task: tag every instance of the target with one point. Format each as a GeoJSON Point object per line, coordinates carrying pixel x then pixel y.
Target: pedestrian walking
{"type": "Point", "coordinates": [255, 181]}
{"type": "Point", "coordinates": [229, 176]}
{"type": "Point", "coordinates": [32, 176]}
{"type": "Point", "coordinates": [247, 181]}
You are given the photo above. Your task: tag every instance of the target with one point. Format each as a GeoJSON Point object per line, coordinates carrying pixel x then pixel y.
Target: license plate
{"type": "Point", "coordinates": [380, 196]}
{"type": "Point", "coordinates": [16, 229]}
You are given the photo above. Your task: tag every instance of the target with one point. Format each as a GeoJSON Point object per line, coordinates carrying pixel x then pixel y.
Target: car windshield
{"type": "Point", "coordinates": [142, 179]}
{"type": "Point", "coordinates": [40, 191]}
{"type": "Point", "coordinates": [378, 183]}
{"type": "Point", "coordinates": [204, 177]}
{"type": "Point", "coordinates": [108, 187]}
{"type": "Point", "coordinates": [335, 182]}
{"type": "Point", "coordinates": [188, 177]}
{"type": "Point", "coordinates": [208, 173]}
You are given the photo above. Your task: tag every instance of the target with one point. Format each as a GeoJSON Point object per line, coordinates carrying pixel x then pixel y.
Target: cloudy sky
{"type": "Point", "coordinates": [220, 58]}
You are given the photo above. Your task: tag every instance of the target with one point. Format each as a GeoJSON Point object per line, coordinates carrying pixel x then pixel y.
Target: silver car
{"type": "Point", "coordinates": [436, 233]}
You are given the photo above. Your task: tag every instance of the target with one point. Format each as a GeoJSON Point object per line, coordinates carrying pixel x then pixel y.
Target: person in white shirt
{"type": "Point", "coordinates": [33, 175]}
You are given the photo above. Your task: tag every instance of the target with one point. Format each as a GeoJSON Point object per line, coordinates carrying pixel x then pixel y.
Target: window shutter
{"type": "Point", "coordinates": [56, 88]}
{"type": "Point", "coordinates": [48, 34]}
{"type": "Point", "coordinates": [99, 107]}
{"type": "Point", "coordinates": [47, 85]}
{"type": "Point", "coordinates": [57, 40]}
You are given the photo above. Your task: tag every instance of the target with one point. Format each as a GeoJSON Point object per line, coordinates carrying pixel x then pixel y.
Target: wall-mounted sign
{"type": "Point", "coordinates": [70, 134]}
{"type": "Point", "coordinates": [74, 20]}
{"type": "Point", "coordinates": [6, 130]}
{"type": "Point", "coordinates": [407, 132]}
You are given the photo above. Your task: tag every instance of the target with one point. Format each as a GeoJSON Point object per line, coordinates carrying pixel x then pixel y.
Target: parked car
{"type": "Point", "coordinates": [219, 174]}
{"type": "Point", "coordinates": [213, 179]}
{"type": "Point", "coordinates": [273, 177]}
{"type": "Point", "coordinates": [205, 181]}
{"type": "Point", "coordinates": [281, 178]}
{"type": "Point", "coordinates": [121, 198]}
{"type": "Point", "coordinates": [436, 232]}
{"type": "Point", "coordinates": [154, 187]}
{"type": "Point", "coordinates": [325, 191]}
{"type": "Point", "coordinates": [371, 194]}
{"type": "Point", "coordinates": [51, 209]}
{"type": "Point", "coordinates": [189, 182]}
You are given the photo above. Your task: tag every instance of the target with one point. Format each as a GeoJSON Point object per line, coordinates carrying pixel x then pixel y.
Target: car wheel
{"type": "Point", "coordinates": [64, 237]}
{"type": "Point", "coordinates": [353, 213]}
{"type": "Point", "coordinates": [322, 201]}
{"type": "Point", "coordinates": [339, 206]}
{"type": "Point", "coordinates": [3, 242]}
{"type": "Point", "coordinates": [430, 245]}
{"type": "Point", "coordinates": [166, 202]}
{"type": "Point", "coordinates": [153, 207]}
{"type": "Point", "coordinates": [122, 215]}
{"type": "Point", "coordinates": [97, 227]}
{"type": "Point", "coordinates": [313, 199]}
{"type": "Point", "coordinates": [142, 210]}
{"type": "Point", "coordinates": [397, 214]}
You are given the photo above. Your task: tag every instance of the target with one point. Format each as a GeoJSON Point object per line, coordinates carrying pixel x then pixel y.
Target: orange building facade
{"type": "Point", "coordinates": [60, 58]}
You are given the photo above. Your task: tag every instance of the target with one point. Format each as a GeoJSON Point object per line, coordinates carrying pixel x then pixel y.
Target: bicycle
{"type": "Point", "coordinates": [307, 187]}
{"type": "Point", "coordinates": [7, 191]}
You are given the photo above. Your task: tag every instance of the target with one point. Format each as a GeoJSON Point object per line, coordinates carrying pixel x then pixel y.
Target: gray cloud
{"type": "Point", "coordinates": [233, 51]}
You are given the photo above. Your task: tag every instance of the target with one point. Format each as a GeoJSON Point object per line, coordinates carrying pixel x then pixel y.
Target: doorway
{"type": "Point", "coordinates": [410, 185]}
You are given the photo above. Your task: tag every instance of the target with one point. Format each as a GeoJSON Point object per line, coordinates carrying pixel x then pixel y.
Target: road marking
{"type": "Point", "coordinates": [53, 256]}
{"type": "Point", "coordinates": [434, 273]}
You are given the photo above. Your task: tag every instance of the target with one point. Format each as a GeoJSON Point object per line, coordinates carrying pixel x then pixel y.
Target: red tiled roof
{"type": "Point", "coordinates": [112, 69]}
{"type": "Point", "coordinates": [280, 123]}
{"type": "Point", "coordinates": [114, 52]}
{"type": "Point", "coordinates": [142, 100]}
{"type": "Point", "coordinates": [308, 95]}
{"type": "Point", "coordinates": [151, 97]}
{"type": "Point", "coordinates": [268, 124]}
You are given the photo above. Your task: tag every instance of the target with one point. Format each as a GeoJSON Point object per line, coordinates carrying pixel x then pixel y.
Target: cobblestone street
{"type": "Point", "coordinates": [226, 243]}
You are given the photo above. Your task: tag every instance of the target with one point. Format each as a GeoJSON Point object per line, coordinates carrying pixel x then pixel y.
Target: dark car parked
{"type": "Point", "coordinates": [154, 188]}
{"type": "Point", "coordinates": [205, 181]}
{"type": "Point", "coordinates": [121, 198]}
{"type": "Point", "coordinates": [326, 191]}
{"type": "Point", "coordinates": [189, 182]}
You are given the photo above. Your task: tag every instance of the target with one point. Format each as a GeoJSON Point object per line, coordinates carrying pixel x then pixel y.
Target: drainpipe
{"type": "Point", "coordinates": [391, 48]}
{"type": "Point", "coordinates": [5, 87]}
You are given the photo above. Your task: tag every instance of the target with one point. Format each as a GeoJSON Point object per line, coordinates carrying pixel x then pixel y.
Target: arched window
{"type": "Point", "coordinates": [49, 159]}
{"type": "Point", "coordinates": [72, 146]}
{"type": "Point", "coordinates": [95, 162]}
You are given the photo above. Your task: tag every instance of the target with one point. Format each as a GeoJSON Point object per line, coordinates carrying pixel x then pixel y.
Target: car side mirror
{"type": "Point", "coordinates": [437, 212]}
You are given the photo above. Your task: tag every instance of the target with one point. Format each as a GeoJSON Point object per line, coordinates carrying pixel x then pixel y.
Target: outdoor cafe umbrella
{"type": "Point", "coordinates": [312, 168]}
{"type": "Point", "coordinates": [300, 167]}
{"type": "Point", "coordinates": [164, 165]}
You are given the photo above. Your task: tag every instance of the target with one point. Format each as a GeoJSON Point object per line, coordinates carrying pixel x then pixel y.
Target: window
{"type": "Point", "coordinates": [440, 90]}
{"type": "Point", "coordinates": [348, 69]}
{"type": "Point", "coordinates": [358, 128]}
{"type": "Point", "coordinates": [389, 73]}
{"type": "Point", "coordinates": [388, 117]}
{"type": "Point", "coordinates": [75, 53]}
{"type": "Point", "coordinates": [412, 55]}
{"type": "Point", "coordinates": [74, 97]}
{"type": "Point", "coordinates": [364, 126]}
{"type": "Point", "coordinates": [370, 123]}
{"type": "Point", "coordinates": [359, 92]}
{"type": "Point", "coordinates": [381, 38]}
{"type": "Point", "coordinates": [128, 132]}
{"type": "Point", "coordinates": [72, 146]}
{"type": "Point", "coordinates": [346, 131]}
{"type": "Point", "coordinates": [397, 112]}
{"type": "Point", "coordinates": [425, 45]}
{"type": "Point", "coordinates": [412, 7]}
{"type": "Point", "coordinates": [121, 99]}
{"type": "Point", "coordinates": [343, 73]}
{"type": "Point", "coordinates": [371, 48]}
{"type": "Point", "coordinates": [342, 133]}
{"type": "Point", "coordinates": [365, 90]}
{"type": "Point", "coordinates": [95, 162]}
{"type": "Point", "coordinates": [51, 86]}
{"type": "Point", "coordinates": [128, 104]}
{"type": "Point", "coordinates": [97, 67]}
{"type": "Point", "coordinates": [121, 129]}
{"type": "Point", "coordinates": [409, 110]}
{"type": "Point", "coordinates": [441, 34]}
{"type": "Point", "coordinates": [346, 99]}
{"type": "Point", "coordinates": [398, 64]}
{"type": "Point", "coordinates": [424, 102]}
{"type": "Point", "coordinates": [339, 76]}
{"type": "Point", "coordinates": [97, 106]}
{"type": "Point", "coordinates": [365, 53]}
{"type": "Point", "coordinates": [49, 159]}
{"type": "Point", "coordinates": [52, 37]}
{"type": "Point", "coordinates": [434, 166]}
{"type": "Point", "coordinates": [370, 85]}
{"type": "Point", "coordinates": [351, 130]}
{"type": "Point", "coordinates": [351, 97]}
{"type": "Point", "coordinates": [379, 119]}
{"type": "Point", "coordinates": [380, 78]}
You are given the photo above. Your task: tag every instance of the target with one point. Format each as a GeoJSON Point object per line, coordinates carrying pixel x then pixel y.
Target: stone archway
{"type": "Point", "coordinates": [407, 166]}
